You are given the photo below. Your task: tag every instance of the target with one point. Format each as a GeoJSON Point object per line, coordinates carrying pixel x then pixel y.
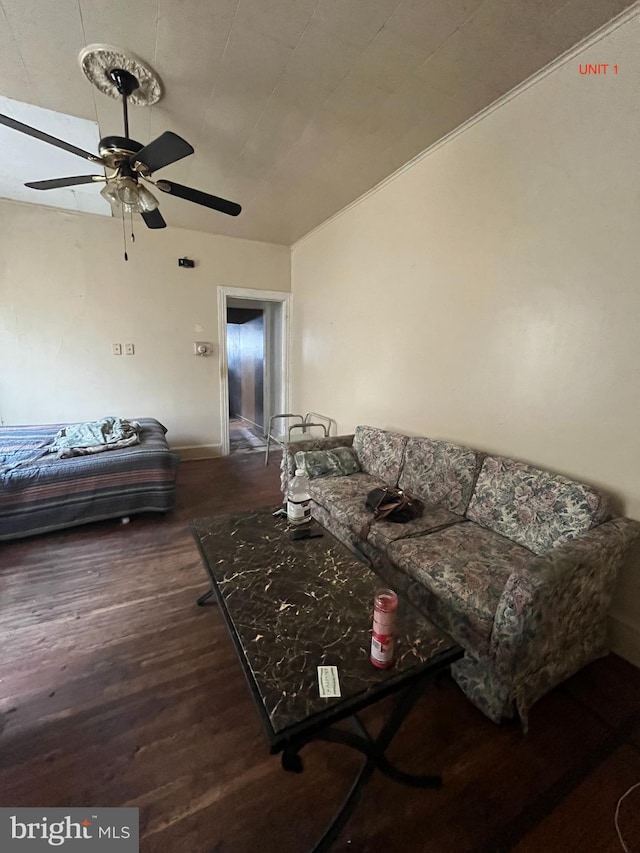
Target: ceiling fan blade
{"type": "Point", "coordinates": [153, 219]}
{"type": "Point", "coordinates": [46, 137]}
{"type": "Point", "coordinates": [55, 183]}
{"type": "Point", "coordinates": [198, 197]}
{"type": "Point", "coordinates": [166, 149]}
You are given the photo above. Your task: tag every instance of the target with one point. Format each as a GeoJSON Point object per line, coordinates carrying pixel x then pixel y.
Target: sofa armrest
{"type": "Point", "coordinates": [552, 616]}
{"type": "Point", "coordinates": [287, 465]}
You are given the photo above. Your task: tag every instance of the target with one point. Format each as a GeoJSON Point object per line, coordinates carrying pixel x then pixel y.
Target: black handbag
{"type": "Point", "coordinates": [391, 505]}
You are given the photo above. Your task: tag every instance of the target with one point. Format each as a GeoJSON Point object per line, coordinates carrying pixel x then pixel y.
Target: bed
{"type": "Point", "coordinates": [38, 495]}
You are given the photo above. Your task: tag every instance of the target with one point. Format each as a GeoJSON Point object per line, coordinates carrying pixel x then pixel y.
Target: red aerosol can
{"type": "Point", "coordinates": [385, 607]}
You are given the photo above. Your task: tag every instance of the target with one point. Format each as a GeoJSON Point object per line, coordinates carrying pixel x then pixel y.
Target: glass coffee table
{"type": "Point", "coordinates": [293, 606]}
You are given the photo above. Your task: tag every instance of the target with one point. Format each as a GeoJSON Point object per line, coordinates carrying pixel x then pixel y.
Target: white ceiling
{"type": "Point", "coordinates": [26, 159]}
{"type": "Point", "coordinates": [294, 107]}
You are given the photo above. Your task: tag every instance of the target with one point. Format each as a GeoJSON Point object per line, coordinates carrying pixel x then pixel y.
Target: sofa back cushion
{"type": "Point", "coordinates": [439, 473]}
{"type": "Point", "coordinates": [380, 452]}
{"type": "Point", "coordinates": [534, 508]}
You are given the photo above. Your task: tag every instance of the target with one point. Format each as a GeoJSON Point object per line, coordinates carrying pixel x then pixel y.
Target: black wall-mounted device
{"type": "Point", "coordinates": [186, 262]}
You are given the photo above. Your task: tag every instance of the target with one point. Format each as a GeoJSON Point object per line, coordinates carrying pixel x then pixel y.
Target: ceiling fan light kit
{"type": "Point", "coordinates": [146, 200]}
{"type": "Point", "coordinates": [122, 75]}
{"type": "Point", "coordinates": [126, 194]}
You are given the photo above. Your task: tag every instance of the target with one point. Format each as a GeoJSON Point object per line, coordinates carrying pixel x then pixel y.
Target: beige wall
{"type": "Point", "coordinates": [490, 292]}
{"type": "Point", "coordinates": [66, 294]}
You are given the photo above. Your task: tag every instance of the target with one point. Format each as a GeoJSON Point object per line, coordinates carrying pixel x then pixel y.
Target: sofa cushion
{"type": "Point", "coordinates": [382, 533]}
{"type": "Point", "coordinates": [466, 567]}
{"type": "Point", "coordinates": [336, 462]}
{"type": "Point", "coordinates": [288, 462]}
{"type": "Point", "coordinates": [331, 492]}
{"type": "Point", "coordinates": [439, 473]}
{"type": "Point", "coordinates": [344, 498]}
{"type": "Point", "coordinates": [536, 509]}
{"type": "Point", "coordinates": [380, 452]}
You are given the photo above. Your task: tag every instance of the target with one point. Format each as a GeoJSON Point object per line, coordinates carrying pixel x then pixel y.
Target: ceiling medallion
{"type": "Point", "coordinates": [99, 60]}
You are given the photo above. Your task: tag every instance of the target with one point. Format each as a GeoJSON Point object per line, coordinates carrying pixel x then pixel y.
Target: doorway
{"type": "Point", "coordinates": [253, 335]}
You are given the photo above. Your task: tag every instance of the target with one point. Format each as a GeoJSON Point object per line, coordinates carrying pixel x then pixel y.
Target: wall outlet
{"type": "Point", "coordinates": [116, 349]}
{"type": "Point", "coordinates": [129, 349]}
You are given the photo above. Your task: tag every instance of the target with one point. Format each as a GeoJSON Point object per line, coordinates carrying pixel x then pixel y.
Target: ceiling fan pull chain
{"type": "Point", "coordinates": [133, 236]}
{"type": "Point", "coordinates": [124, 237]}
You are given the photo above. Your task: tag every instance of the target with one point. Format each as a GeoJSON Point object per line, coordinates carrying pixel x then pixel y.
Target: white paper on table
{"type": "Point", "coordinates": [328, 682]}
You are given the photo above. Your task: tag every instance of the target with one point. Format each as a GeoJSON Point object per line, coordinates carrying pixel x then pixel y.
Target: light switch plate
{"type": "Point", "coordinates": [129, 349]}
{"type": "Point", "coordinates": [116, 349]}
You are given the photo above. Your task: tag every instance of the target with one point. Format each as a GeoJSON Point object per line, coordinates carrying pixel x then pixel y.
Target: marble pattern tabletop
{"type": "Point", "coordinates": [297, 605]}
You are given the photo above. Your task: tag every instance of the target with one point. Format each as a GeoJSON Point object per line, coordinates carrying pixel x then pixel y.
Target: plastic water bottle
{"type": "Point", "coordinates": [298, 499]}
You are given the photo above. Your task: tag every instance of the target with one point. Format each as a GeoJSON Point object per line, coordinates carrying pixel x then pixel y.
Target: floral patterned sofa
{"type": "Point", "coordinates": [517, 564]}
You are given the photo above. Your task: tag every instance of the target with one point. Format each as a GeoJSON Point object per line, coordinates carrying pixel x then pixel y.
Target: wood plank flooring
{"type": "Point", "coordinates": [116, 689]}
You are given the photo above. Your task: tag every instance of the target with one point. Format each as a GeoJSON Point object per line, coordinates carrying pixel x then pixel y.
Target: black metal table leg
{"type": "Point", "coordinates": [346, 809]}
{"type": "Point", "coordinates": [291, 761]}
{"type": "Point", "coordinates": [404, 704]}
{"type": "Point", "coordinates": [204, 597]}
{"type": "Point", "coordinates": [373, 749]}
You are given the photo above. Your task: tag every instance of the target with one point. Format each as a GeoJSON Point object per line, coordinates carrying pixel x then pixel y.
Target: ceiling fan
{"type": "Point", "coordinates": [130, 162]}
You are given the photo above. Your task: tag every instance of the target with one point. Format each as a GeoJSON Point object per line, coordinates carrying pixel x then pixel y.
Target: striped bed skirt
{"type": "Point", "coordinates": [43, 494]}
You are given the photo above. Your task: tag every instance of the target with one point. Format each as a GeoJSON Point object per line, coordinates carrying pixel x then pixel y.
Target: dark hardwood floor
{"type": "Point", "coordinates": [116, 689]}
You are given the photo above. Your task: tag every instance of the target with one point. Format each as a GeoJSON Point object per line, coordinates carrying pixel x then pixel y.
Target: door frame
{"type": "Point", "coordinates": [224, 293]}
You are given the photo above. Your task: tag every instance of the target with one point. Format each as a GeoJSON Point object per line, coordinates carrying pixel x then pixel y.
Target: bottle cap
{"type": "Point", "coordinates": [300, 472]}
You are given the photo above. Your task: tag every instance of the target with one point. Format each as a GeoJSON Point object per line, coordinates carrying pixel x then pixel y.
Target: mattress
{"type": "Point", "coordinates": [38, 495]}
